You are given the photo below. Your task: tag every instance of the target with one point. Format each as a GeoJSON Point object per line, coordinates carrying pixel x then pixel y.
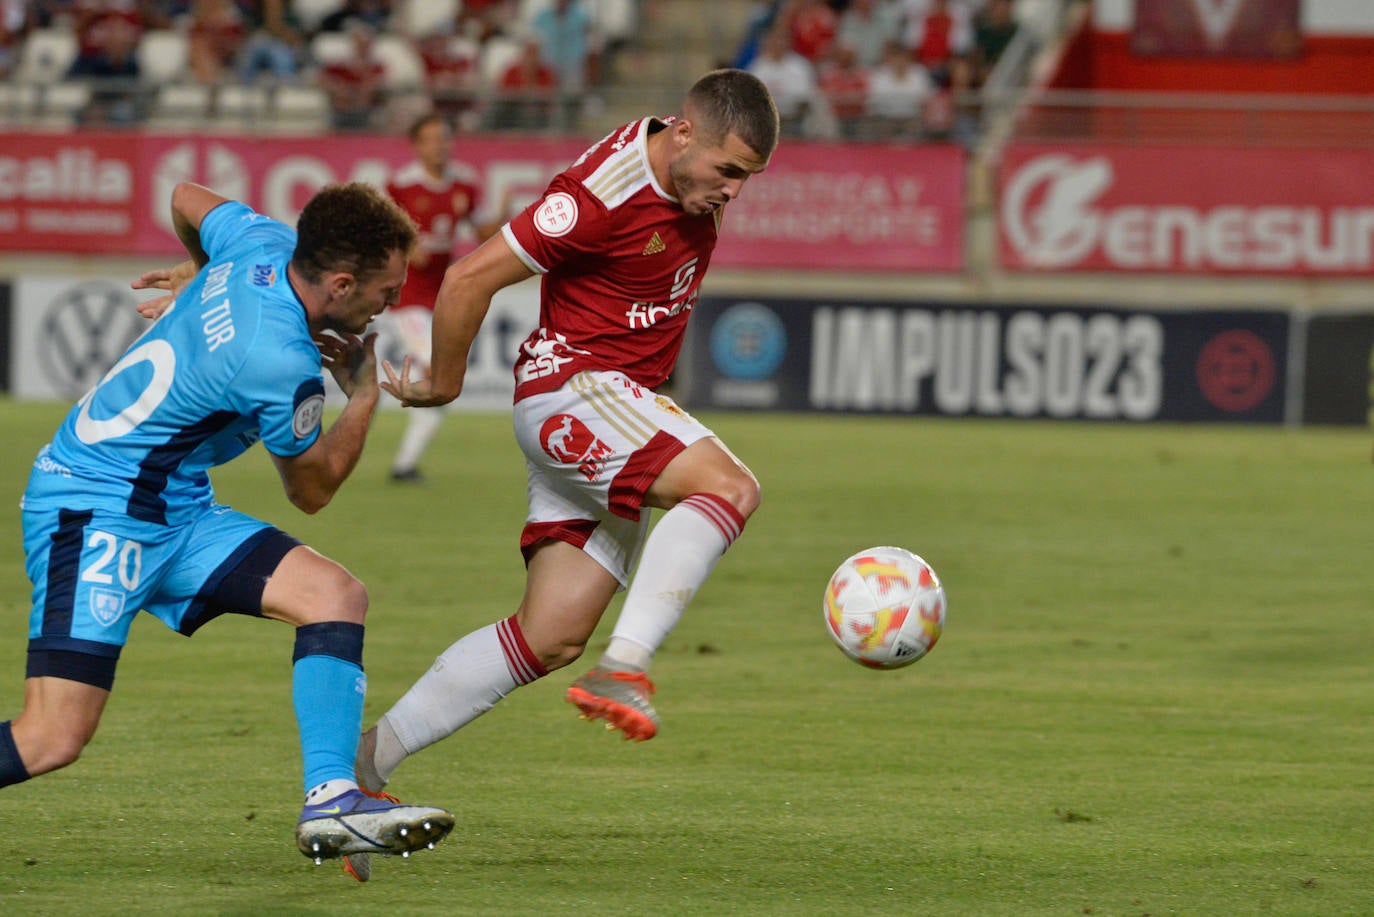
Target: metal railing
{"type": "Point", "coordinates": [1307, 121]}
{"type": "Point", "coordinates": [1029, 115]}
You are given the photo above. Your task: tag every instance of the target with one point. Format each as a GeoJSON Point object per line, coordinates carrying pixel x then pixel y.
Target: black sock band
{"type": "Point", "coordinates": [340, 639]}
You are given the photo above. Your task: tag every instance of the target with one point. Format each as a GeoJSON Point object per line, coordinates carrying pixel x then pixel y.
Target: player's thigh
{"type": "Point", "coordinates": [706, 466]}
{"type": "Point", "coordinates": [604, 437]}
{"type": "Point", "coordinates": [308, 588]}
{"type": "Point", "coordinates": [58, 711]}
{"type": "Point", "coordinates": [566, 592]}
{"type": "Point", "coordinates": [575, 516]}
{"type": "Point", "coordinates": [224, 566]}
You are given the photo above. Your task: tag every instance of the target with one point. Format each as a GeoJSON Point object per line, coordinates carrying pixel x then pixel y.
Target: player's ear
{"type": "Point", "coordinates": [341, 283]}
{"type": "Point", "coordinates": [682, 133]}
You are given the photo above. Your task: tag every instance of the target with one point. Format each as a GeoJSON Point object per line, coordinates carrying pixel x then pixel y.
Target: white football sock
{"type": "Point", "coordinates": [465, 682]}
{"type": "Point", "coordinates": [421, 426]}
{"type": "Point", "coordinates": [681, 552]}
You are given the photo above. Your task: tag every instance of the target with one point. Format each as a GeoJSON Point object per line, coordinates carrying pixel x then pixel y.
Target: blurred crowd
{"type": "Point", "coordinates": [878, 69]}
{"type": "Point", "coordinates": [505, 63]}
{"type": "Point", "coordinates": [851, 69]}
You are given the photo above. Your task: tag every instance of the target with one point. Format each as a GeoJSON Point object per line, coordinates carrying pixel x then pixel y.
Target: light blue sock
{"type": "Point", "coordinates": [328, 688]}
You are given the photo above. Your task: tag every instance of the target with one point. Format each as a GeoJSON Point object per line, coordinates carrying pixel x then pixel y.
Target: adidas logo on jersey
{"type": "Point", "coordinates": [655, 246]}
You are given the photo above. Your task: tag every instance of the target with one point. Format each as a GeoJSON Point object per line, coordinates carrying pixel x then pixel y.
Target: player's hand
{"type": "Point", "coordinates": [172, 279]}
{"type": "Point", "coordinates": [412, 393]}
{"type": "Point", "coordinates": [351, 360]}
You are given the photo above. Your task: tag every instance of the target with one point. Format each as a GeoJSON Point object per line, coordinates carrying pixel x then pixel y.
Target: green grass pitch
{"type": "Point", "coordinates": [1153, 695]}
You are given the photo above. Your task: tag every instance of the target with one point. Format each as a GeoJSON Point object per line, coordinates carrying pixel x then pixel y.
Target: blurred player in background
{"type": "Point", "coordinates": [622, 239]}
{"type": "Point", "coordinates": [444, 200]}
{"type": "Point", "coordinates": [120, 515]}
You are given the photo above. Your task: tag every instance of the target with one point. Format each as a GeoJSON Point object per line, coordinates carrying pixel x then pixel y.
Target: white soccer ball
{"type": "Point", "coordinates": [884, 607]}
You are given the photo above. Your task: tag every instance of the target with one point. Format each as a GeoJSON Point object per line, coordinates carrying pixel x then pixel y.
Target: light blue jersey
{"type": "Point", "coordinates": [231, 362]}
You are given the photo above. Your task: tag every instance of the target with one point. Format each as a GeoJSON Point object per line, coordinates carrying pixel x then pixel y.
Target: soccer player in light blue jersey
{"type": "Point", "coordinates": [119, 515]}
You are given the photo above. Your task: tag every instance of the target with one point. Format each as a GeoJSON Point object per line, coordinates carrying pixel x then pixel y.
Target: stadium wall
{"type": "Point", "coordinates": [881, 228]}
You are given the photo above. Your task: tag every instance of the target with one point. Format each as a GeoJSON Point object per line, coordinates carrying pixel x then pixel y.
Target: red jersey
{"type": "Point", "coordinates": [441, 208]}
{"type": "Point", "coordinates": [622, 265]}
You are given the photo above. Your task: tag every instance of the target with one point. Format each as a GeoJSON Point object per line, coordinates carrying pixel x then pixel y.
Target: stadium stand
{"type": "Point", "coordinates": [163, 55]}
{"type": "Point", "coordinates": [46, 55]}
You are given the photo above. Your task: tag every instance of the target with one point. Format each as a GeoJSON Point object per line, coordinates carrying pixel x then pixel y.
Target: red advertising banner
{"type": "Point", "coordinates": [850, 207]}
{"type": "Point", "coordinates": [61, 193]}
{"type": "Point", "coordinates": [1187, 210]}
{"type": "Point", "coordinates": [110, 193]}
{"type": "Point", "coordinates": [817, 206]}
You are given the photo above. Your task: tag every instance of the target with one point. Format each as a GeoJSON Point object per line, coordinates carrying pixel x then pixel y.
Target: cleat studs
{"type": "Point", "coordinates": [405, 854]}
{"type": "Point", "coordinates": [430, 845]}
{"type": "Point", "coordinates": [314, 846]}
{"type": "Point", "coordinates": [318, 861]}
{"type": "Point", "coordinates": [404, 831]}
{"type": "Point", "coordinates": [427, 825]}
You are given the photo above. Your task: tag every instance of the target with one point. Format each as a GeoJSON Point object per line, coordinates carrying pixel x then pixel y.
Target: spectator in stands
{"type": "Point", "coordinates": [790, 78]}
{"type": "Point", "coordinates": [866, 26]}
{"type": "Point", "coordinates": [897, 93]}
{"type": "Point", "coordinates": [50, 13]}
{"type": "Point", "coordinates": [763, 16]}
{"type": "Point", "coordinates": [215, 35]}
{"type": "Point", "coordinates": [527, 91]}
{"type": "Point", "coordinates": [844, 84]}
{"type": "Point", "coordinates": [993, 29]}
{"type": "Point", "coordinates": [94, 21]}
{"type": "Point", "coordinates": [112, 71]}
{"type": "Point", "coordinates": [938, 37]}
{"type": "Point", "coordinates": [936, 31]}
{"type": "Point", "coordinates": [951, 111]}
{"type": "Point", "coordinates": [568, 44]}
{"type": "Point", "coordinates": [276, 41]}
{"type": "Point", "coordinates": [487, 17]}
{"type": "Point", "coordinates": [16, 19]}
{"type": "Point", "coordinates": [452, 78]}
{"type": "Point", "coordinates": [813, 24]}
{"type": "Point", "coordinates": [355, 83]}
{"type": "Point", "coordinates": [376, 13]}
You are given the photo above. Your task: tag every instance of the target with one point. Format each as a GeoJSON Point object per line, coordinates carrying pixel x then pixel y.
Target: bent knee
{"type": "Point", "coordinates": [741, 490]}
{"type": "Point", "coordinates": [52, 751]}
{"type": "Point", "coordinates": [65, 753]}
{"type": "Point", "coordinates": [343, 598]}
{"type": "Point", "coordinates": [559, 655]}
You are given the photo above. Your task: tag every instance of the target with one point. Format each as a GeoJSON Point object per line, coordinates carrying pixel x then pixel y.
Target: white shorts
{"type": "Point", "coordinates": [593, 448]}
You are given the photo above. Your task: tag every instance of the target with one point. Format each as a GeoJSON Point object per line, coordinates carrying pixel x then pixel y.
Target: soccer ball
{"type": "Point", "coordinates": [884, 607]}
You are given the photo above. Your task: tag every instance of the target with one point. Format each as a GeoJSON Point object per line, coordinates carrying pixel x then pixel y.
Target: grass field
{"type": "Point", "coordinates": [1153, 695]}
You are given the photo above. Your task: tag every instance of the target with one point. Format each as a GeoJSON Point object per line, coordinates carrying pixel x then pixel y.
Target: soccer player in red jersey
{"type": "Point", "coordinates": [622, 238]}
{"type": "Point", "coordinates": [444, 199]}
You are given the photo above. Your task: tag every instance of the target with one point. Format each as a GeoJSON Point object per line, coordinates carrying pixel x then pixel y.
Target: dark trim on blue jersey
{"type": "Point", "coordinates": [75, 645]}
{"type": "Point", "coordinates": [146, 503]}
{"type": "Point", "coordinates": [73, 665]}
{"type": "Point", "coordinates": [237, 584]}
{"type": "Point", "coordinates": [64, 567]}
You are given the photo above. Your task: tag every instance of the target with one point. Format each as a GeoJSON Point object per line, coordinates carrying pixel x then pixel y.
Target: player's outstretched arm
{"type": "Point", "coordinates": [464, 298]}
{"type": "Point", "coordinates": [312, 478]}
{"type": "Point", "coordinates": [190, 204]}
{"type": "Point", "coordinates": [172, 279]}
